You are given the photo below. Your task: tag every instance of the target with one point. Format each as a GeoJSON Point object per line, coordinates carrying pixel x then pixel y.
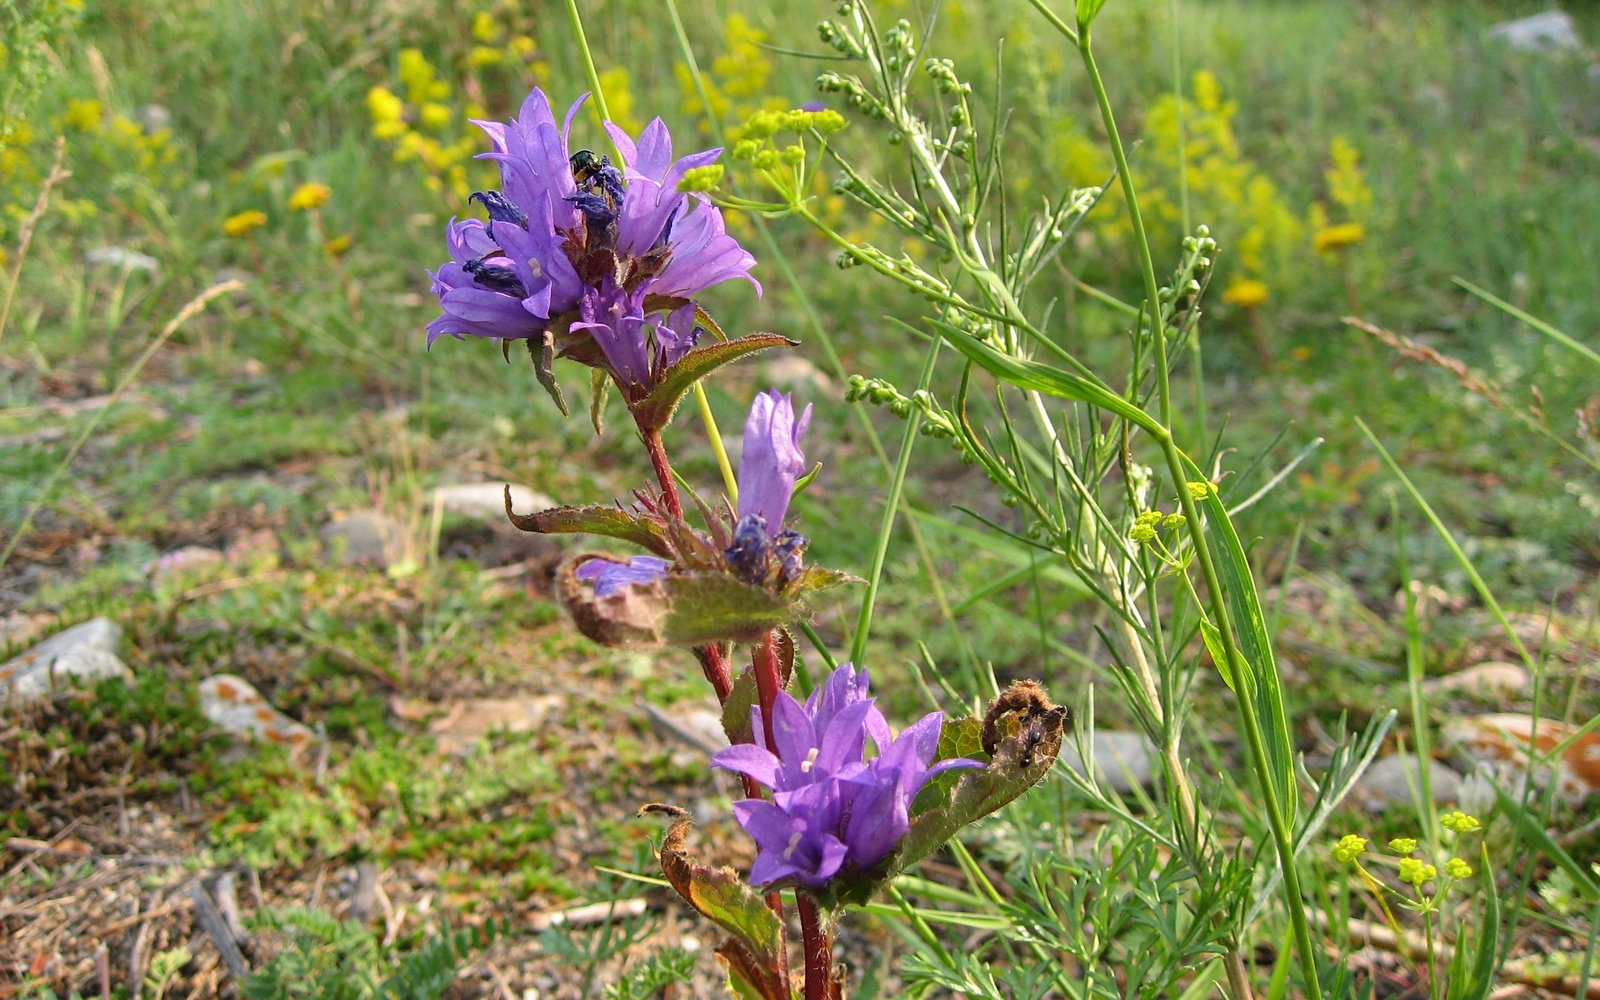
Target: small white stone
{"type": "Point", "coordinates": [87, 651]}
{"type": "Point", "coordinates": [234, 704]}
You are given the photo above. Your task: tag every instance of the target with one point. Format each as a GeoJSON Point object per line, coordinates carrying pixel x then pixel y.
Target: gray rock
{"type": "Point", "coordinates": [122, 257]}
{"type": "Point", "coordinates": [1552, 30]}
{"type": "Point", "coordinates": [1121, 759]}
{"type": "Point", "coordinates": [487, 501]}
{"type": "Point", "coordinates": [365, 537]}
{"type": "Point", "coordinates": [87, 651]}
{"type": "Point", "coordinates": [697, 728]}
{"type": "Point", "coordinates": [1388, 782]}
{"type": "Point", "coordinates": [154, 118]}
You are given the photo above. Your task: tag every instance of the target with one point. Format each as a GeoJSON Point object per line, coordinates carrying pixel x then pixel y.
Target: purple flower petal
{"type": "Point", "coordinates": [772, 460]}
{"type": "Point", "coordinates": [610, 577]}
{"type": "Point", "coordinates": [747, 758]}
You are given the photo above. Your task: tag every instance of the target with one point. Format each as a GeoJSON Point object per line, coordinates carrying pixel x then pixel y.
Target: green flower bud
{"type": "Point", "coordinates": [704, 178]}
{"type": "Point", "coordinates": [1403, 845]}
{"type": "Point", "coordinates": [1416, 872]}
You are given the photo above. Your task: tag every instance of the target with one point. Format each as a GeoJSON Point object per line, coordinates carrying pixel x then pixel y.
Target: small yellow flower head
{"type": "Point", "coordinates": [1200, 490]}
{"type": "Point", "coordinates": [483, 27]}
{"type": "Point", "coordinates": [704, 178]}
{"type": "Point", "coordinates": [1246, 293]}
{"type": "Point", "coordinates": [794, 154]}
{"type": "Point", "coordinates": [766, 159]}
{"type": "Point", "coordinates": [436, 116]}
{"type": "Point", "coordinates": [828, 121]}
{"type": "Point", "coordinates": [1349, 848]}
{"type": "Point", "coordinates": [243, 224]}
{"type": "Point", "coordinates": [1403, 845]}
{"type": "Point", "coordinates": [486, 55]}
{"type": "Point", "coordinates": [524, 46]}
{"type": "Point", "coordinates": [339, 244]}
{"type": "Point", "coordinates": [746, 149]}
{"type": "Point", "coordinates": [1142, 533]}
{"type": "Point", "coordinates": [1338, 237]}
{"type": "Point", "coordinates": [764, 124]}
{"type": "Point", "coordinates": [1456, 868]}
{"type": "Point", "coordinates": [1460, 822]}
{"type": "Point", "coordinates": [85, 116]}
{"type": "Point", "coordinates": [1174, 521]}
{"type": "Point", "coordinates": [309, 196]}
{"type": "Point", "coordinates": [1416, 872]}
{"type": "Point", "coordinates": [1148, 517]}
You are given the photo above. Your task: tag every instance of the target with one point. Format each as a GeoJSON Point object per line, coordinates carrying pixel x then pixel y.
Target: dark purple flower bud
{"type": "Point", "coordinates": [495, 277]}
{"type": "Point", "coordinates": [500, 209]}
{"type": "Point", "coordinates": [832, 809]}
{"type": "Point", "coordinates": [610, 577]}
{"type": "Point", "coordinates": [772, 461]}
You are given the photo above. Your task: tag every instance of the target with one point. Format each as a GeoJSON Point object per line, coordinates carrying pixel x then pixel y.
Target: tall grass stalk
{"type": "Point", "coordinates": [1277, 816]}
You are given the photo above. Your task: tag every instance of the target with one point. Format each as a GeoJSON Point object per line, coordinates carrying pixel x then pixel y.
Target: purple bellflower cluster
{"type": "Point", "coordinates": [832, 810]}
{"type": "Point", "coordinates": [763, 551]}
{"type": "Point", "coordinates": [575, 245]}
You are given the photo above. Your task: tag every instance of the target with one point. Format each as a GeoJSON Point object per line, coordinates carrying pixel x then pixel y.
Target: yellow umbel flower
{"type": "Point", "coordinates": [1416, 872]}
{"type": "Point", "coordinates": [309, 196]}
{"type": "Point", "coordinates": [339, 244]}
{"type": "Point", "coordinates": [1403, 845]}
{"type": "Point", "coordinates": [1349, 848]}
{"type": "Point", "coordinates": [1338, 237]}
{"type": "Point", "coordinates": [1456, 868]}
{"type": "Point", "coordinates": [1246, 292]}
{"type": "Point", "coordinates": [85, 116]}
{"type": "Point", "coordinates": [1459, 822]}
{"type": "Point", "coordinates": [243, 224]}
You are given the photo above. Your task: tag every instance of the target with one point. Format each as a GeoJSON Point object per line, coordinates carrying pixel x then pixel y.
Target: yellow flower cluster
{"type": "Point", "coordinates": [309, 196]}
{"type": "Point", "coordinates": [492, 47]}
{"type": "Point", "coordinates": [1416, 872]}
{"type": "Point", "coordinates": [1247, 293]}
{"type": "Point", "coordinates": [1338, 237]}
{"type": "Point", "coordinates": [736, 85]}
{"type": "Point", "coordinates": [1224, 184]}
{"type": "Point", "coordinates": [614, 83]}
{"type": "Point", "coordinates": [1349, 848]}
{"type": "Point", "coordinates": [243, 224]}
{"type": "Point", "coordinates": [1459, 822]}
{"type": "Point", "coordinates": [415, 123]}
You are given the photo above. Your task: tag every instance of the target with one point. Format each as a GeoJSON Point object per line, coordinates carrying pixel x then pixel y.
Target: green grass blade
{"type": "Point", "coordinates": [1250, 625]}
{"type": "Point", "coordinates": [1563, 339]}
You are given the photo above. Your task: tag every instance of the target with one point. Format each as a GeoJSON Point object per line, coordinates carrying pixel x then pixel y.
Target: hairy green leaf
{"type": "Point", "coordinates": [611, 522]}
{"type": "Point", "coordinates": [681, 609]}
{"type": "Point", "coordinates": [655, 410]}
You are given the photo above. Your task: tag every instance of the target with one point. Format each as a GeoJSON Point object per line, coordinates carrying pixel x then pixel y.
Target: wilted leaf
{"type": "Point", "coordinates": [612, 522]}
{"type": "Point", "coordinates": [681, 609]}
{"type": "Point", "coordinates": [752, 954]}
{"type": "Point", "coordinates": [599, 393]}
{"type": "Point", "coordinates": [818, 578]}
{"type": "Point", "coordinates": [736, 710]}
{"type": "Point", "coordinates": [1028, 738]}
{"type": "Point", "coordinates": [654, 411]}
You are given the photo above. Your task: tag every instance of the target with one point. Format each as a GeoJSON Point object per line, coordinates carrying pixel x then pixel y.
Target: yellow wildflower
{"type": "Point", "coordinates": [1459, 822]}
{"type": "Point", "coordinates": [85, 116]}
{"type": "Point", "coordinates": [614, 84]}
{"type": "Point", "coordinates": [486, 55]}
{"type": "Point", "coordinates": [1416, 872]}
{"type": "Point", "coordinates": [1456, 868]}
{"type": "Point", "coordinates": [388, 113]}
{"type": "Point", "coordinates": [483, 27]}
{"type": "Point", "coordinates": [309, 196]}
{"type": "Point", "coordinates": [1347, 182]}
{"type": "Point", "coordinates": [1337, 237]}
{"type": "Point", "coordinates": [435, 116]}
{"type": "Point", "coordinates": [524, 46]}
{"type": "Point", "coordinates": [1349, 848]}
{"type": "Point", "coordinates": [1403, 845]}
{"type": "Point", "coordinates": [339, 244]}
{"type": "Point", "coordinates": [1246, 292]}
{"type": "Point", "coordinates": [243, 224]}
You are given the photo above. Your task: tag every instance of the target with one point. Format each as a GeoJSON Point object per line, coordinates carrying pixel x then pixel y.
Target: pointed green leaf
{"type": "Point", "coordinates": [736, 710]}
{"type": "Point", "coordinates": [599, 394]}
{"type": "Point", "coordinates": [612, 522]}
{"type": "Point", "coordinates": [724, 899]}
{"type": "Point", "coordinates": [1043, 378]}
{"type": "Point", "coordinates": [818, 578]}
{"type": "Point", "coordinates": [654, 411]}
{"type": "Point", "coordinates": [1265, 686]}
{"type": "Point", "coordinates": [1219, 654]}
{"type": "Point", "coordinates": [1480, 981]}
{"type": "Point", "coordinates": [543, 354]}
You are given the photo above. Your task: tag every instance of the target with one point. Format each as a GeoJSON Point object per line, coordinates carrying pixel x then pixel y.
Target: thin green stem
{"type": "Point", "coordinates": [1142, 239]}
{"type": "Point", "coordinates": [730, 482]}
{"type": "Point", "coordinates": [582, 39]}
{"type": "Point", "coordinates": [858, 647]}
{"type": "Point", "coordinates": [1248, 718]}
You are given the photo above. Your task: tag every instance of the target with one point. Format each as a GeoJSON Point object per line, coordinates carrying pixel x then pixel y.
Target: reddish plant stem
{"type": "Point", "coordinates": [714, 661]}
{"type": "Point", "coordinates": [658, 458]}
{"type": "Point", "coordinates": [819, 950]}
{"type": "Point", "coordinates": [765, 660]}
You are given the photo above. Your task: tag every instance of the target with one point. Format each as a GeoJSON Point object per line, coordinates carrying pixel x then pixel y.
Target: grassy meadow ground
{"type": "Point", "coordinates": [308, 394]}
